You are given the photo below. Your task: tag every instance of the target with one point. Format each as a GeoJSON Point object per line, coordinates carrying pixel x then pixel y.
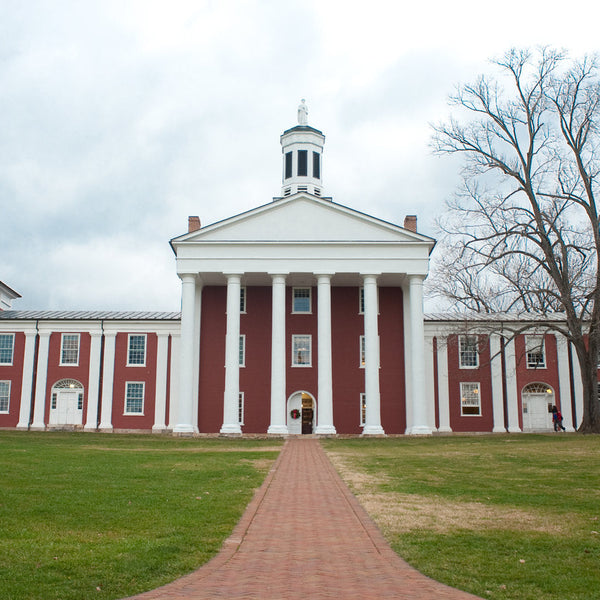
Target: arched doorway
{"type": "Point", "coordinates": [301, 413]}
{"type": "Point", "coordinates": [537, 400]}
{"type": "Point", "coordinates": [66, 405]}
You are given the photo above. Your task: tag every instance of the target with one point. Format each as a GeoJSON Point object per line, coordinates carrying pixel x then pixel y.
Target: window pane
{"type": "Point", "coordinates": [302, 162]}
{"type": "Point", "coordinates": [241, 408]}
{"type": "Point", "coordinates": [70, 349]}
{"type": "Point", "coordinates": [242, 350]}
{"type": "Point", "coordinates": [288, 165]}
{"type": "Point", "coordinates": [301, 300]}
{"type": "Point", "coordinates": [137, 350]}
{"type": "Point", "coordinates": [468, 354]}
{"type": "Point", "coordinates": [470, 399]}
{"type": "Point", "coordinates": [536, 358]}
{"type": "Point", "coordinates": [301, 350]}
{"type": "Point", "coordinates": [134, 402]}
{"type": "Point", "coordinates": [4, 396]}
{"type": "Point", "coordinates": [242, 299]}
{"type": "Point", "coordinates": [6, 348]}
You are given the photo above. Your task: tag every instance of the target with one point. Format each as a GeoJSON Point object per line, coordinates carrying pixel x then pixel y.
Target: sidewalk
{"type": "Point", "coordinates": [304, 535]}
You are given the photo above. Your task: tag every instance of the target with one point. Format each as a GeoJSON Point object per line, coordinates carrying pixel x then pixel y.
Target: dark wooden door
{"type": "Point", "coordinates": [307, 419]}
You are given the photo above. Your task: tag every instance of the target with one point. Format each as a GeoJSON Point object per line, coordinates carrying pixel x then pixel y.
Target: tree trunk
{"type": "Point", "coordinates": [589, 378]}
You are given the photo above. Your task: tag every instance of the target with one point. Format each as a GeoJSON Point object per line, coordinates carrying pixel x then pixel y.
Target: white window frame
{"type": "Point", "coordinates": [467, 339]}
{"type": "Point", "coordinates": [5, 397]}
{"type": "Point", "coordinates": [241, 408]}
{"type": "Point", "coordinates": [144, 336]}
{"type": "Point", "coordinates": [127, 398]}
{"type": "Point", "coordinates": [242, 350]}
{"type": "Point", "coordinates": [535, 345]}
{"type": "Point", "coordinates": [295, 350]}
{"type": "Point", "coordinates": [243, 297]}
{"type": "Point", "coordinates": [302, 312]}
{"type": "Point", "coordinates": [363, 409]}
{"type": "Point", "coordinates": [63, 336]}
{"type": "Point", "coordinates": [10, 336]}
{"type": "Point", "coordinates": [475, 392]}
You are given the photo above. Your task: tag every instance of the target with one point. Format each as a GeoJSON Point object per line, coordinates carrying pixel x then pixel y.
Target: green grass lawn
{"type": "Point", "coordinates": [87, 513]}
{"type": "Point", "coordinates": [504, 517]}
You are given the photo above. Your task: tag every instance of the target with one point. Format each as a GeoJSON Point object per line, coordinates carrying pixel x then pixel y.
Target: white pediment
{"type": "Point", "coordinates": [302, 218]}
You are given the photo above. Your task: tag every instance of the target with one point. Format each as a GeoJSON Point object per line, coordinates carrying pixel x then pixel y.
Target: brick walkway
{"type": "Point", "coordinates": [304, 535]}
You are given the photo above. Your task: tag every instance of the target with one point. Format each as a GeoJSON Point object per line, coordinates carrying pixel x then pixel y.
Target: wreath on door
{"type": "Point", "coordinates": [295, 414]}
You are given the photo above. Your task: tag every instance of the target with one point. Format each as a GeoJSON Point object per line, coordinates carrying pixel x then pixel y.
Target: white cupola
{"type": "Point", "coordinates": [302, 148]}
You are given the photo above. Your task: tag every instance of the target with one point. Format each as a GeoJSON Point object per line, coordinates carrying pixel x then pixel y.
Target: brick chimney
{"type": "Point", "coordinates": [193, 224]}
{"type": "Point", "coordinates": [410, 223]}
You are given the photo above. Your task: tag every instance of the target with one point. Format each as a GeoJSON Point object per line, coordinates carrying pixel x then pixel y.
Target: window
{"type": "Point", "coordinates": [534, 346]}
{"type": "Point", "coordinates": [137, 350]}
{"type": "Point", "coordinates": [69, 353]}
{"type": "Point", "coordinates": [134, 398]}
{"type": "Point", "coordinates": [241, 408]}
{"type": "Point", "coordinates": [7, 342]}
{"type": "Point", "coordinates": [302, 162]}
{"type": "Point", "coordinates": [361, 301]}
{"type": "Point", "coordinates": [362, 352]}
{"type": "Point", "coordinates": [470, 401]}
{"type": "Point", "coordinates": [4, 396]}
{"type": "Point", "coordinates": [301, 351]}
{"type": "Point", "coordinates": [242, 350]}
{"type": "Point", "coordinates": [301, 300]}
{"type": "Point", "coordinates": [243, 299]}
{"type": "Point", "coordinates": [468, 354]}
{"type": "Point", "coordinates": [288, 165]}
{"type": "Point", "coordinates": [316, 165]}
{"type": "Point", "coordinates": [80, 401]}
{"type": "Point", "coordinates": [363, 409]}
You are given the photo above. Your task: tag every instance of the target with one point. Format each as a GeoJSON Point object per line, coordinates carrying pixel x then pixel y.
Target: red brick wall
{"type": "Point", "coordinates": [124, 374]}
{"type": "Point", "coordinates": [14, 374]}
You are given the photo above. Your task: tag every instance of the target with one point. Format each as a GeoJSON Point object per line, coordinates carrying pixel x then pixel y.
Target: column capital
{"type": "Point", "coordinates": [188, 277]}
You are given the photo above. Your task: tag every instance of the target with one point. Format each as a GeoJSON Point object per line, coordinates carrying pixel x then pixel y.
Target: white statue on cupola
{"type": "Point", "coordinates": [303, 113]}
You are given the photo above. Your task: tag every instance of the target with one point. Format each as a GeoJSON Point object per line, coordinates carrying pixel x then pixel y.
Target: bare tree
{"type": "Point", "coordinates": [523, 233]}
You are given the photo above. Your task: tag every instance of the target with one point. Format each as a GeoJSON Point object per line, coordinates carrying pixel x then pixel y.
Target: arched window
{"type": "Point", "coordinates": [537, 388]}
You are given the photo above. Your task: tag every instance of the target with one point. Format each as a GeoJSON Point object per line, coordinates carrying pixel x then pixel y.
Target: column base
{"type": "Point", "coordinates": [181, 428]}
{"type": "Point", "coordinates": [37, 427]}
{"type": "Point", "coordinates": [445, 429]}
{"type": "Point", "coordinates": [419, 430]}
{"type": "Point", "coordinates": [499, 430]}
{"type": "Point", "coordinates": [514, 430]}
{"type": "Point", "coordinates": [325, 430]}
{"type": "Point", "coordinates": [105, 428]}
{"type": "Point", "coordinates": [159, 429]}
{"type": "Point", "coordinates": [373, 430]}
{"type": "Point", "coordinates": [90, 428]}
{"type": "Point", "coordinates": [278, 430]}
{"type": "Point", "coordinates": [231, 429]}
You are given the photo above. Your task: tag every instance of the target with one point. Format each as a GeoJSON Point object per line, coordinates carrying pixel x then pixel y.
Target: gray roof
{"type": "Point", "coordinates": [88, 315]}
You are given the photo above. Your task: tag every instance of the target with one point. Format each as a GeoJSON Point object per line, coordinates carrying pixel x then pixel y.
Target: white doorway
{"type": "Point", "coordinates": [537, 400]}
{"type": "Point", "coordinates": [66, 405]}
{"type": "Point", "coordinates": [301, 413]}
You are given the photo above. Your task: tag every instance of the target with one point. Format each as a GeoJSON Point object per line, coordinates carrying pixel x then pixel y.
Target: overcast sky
{"type": "Point", "coordinates": [121, 118]}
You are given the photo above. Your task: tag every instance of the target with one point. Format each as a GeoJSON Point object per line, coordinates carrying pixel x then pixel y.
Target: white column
{"type": "Point", "coordinates": [407, 366]}
{"type": "Point", "coordinates": [91, 419]}
{"type": "Point", "coordinates": [185, 401]}
{"type": "Point", "coordinates": [429, 382]}
{"type": "Point", "coordinates": [160, 400]}
{"type": "Point", "coordinates": [512, 392]}
{"type": "Point", "coordinates": [443, 389]}
{"type": "Point", "coordinates": [39, 406]}
{"type": "Point", "coordinates": [232, 357]}
{"type": "Point", "coordinates": [564, 382]}
{"type": "Point", "coordinates": [278, 423]}
{"type": "Point", "coordinates": [420, 425]}
{"type": "Point", "coordinates": [108, 375]}
{"type": "Point", "coordinates": [325, 380]}
{"type": "Point", "coordinates": [373, 412]}
{"type": "Point", "coordinates": [27, 381]}
{"type": "Point", "coordinates": [196, 366]}
{"type": "Point", "coordinates": [497, 386]}
{"type": "Point", "coordinates": [578, 388]}
{"type": "Point", "coordinates": [175, 376]}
